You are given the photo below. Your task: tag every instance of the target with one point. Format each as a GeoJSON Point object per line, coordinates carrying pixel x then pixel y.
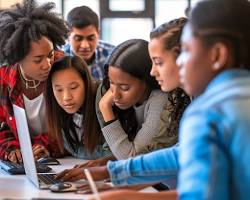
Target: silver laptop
{"type": "Point", "coordinates": [42, 181]}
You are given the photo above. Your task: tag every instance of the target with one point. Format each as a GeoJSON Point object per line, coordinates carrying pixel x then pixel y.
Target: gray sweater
{"type": "Point", "coordinates": [148, 137]}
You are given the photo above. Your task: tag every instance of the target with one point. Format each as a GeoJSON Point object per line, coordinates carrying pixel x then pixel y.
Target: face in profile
{"type": "Point", "coordinates": [127, 90]}
{"type": "Point", "coordinates": [84, 41]}
{"type": "Point", "coordinates": [37, 63]}
{"type": "Point", "coordinates": [69, 89]}
{"type": "Point", "coordinates": [164, 67]}
{"type": "Point", "coordinates": [195, 63]}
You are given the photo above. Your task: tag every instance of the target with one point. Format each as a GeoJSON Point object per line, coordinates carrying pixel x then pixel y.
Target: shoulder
{"type": "Point", "coordinates": [58, 54]}
{"type": "Point", "coordinates": [104, 46]}
{"type": "Point", "coordinates": [203, 119]}
{"type": "Point", "coordinates": [156, 100]}
{"type": "Point", "coordinates": [66, 48]}
{"type": "Point", "coordinates": [157, 94]}
{"type": "Point", "coordinates": [214, 99]}
{"type": "Point", "coordinates": [8, 74]}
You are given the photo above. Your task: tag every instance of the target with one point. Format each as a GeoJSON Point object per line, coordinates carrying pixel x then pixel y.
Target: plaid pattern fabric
{"type": "Point", "coordinates": [11, 94]}
{"type": "Point", "coordinates": [102, 52]}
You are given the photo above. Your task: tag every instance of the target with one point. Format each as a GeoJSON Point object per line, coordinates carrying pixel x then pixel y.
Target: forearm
{"type": "Point", "coordinates": [99, 173]}
{"type": "Point", "coordinates": [168, 195]}
{"type": "Point", "coordinates": [108, 114]}
{"type": "Point", "coordinates": [161, 165]}
{"type": "Point", "coordinates": [118, 141]}
{"type": "Point", "coordinates": [106, 159]}
{"type": "Point", "coordinates": [106, 106]}
{"type": "Point", "coordinates": [135, 195]}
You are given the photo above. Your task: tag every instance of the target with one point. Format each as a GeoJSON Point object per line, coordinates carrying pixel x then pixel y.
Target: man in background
{"type": "Point", "coordinates": [84, 41]}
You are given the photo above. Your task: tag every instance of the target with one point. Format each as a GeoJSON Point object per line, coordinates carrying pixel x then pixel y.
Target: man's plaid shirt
{"type": "Point", "coordinates": [102, 52]}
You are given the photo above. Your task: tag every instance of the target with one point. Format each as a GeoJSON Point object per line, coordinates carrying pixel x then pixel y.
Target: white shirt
{"type": "Point", "coordinates": [35, 112]}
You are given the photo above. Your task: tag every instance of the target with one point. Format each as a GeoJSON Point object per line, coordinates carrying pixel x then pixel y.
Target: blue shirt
{"type": "Point", "coordinates": [158, 166]}
{"type": "Point", "coordinates": [102, 52]}
{"type": "Point", "coordinates": [215, 140]}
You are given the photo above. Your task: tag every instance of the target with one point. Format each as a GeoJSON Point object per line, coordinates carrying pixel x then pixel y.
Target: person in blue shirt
{"type": "Point", "coordinates": [84, 41]}
{"type": "Point", "coordinates": [214, 134]}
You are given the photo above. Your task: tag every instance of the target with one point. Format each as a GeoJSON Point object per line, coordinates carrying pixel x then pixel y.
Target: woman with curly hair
{"type": "Point", "coordinates": [29, 36]}
{"type": "Point", "coordinates": [164, 48]}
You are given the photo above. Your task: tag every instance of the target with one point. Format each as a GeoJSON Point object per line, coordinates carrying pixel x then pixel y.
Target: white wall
{"type": "Point", "coordinates": [8, 3]}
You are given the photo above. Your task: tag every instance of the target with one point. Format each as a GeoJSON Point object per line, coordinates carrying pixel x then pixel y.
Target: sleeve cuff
{"type": "Point", "coordinates": [118, 171]}
{"type": "Point", "coordinates": [109, 122]}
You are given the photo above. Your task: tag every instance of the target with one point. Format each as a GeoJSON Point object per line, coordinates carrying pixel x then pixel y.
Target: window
{"type": "Point", "coordinates": [70, 4]}
{"type": "Point", "coordinates": [126, 19]}
{"type": "Point", "coordinates": [167, 10]}
{"type": "Point", "coordinates": [194, 2]}
{"type": "Point", "coordinates": [64, 6]}
{"type": "Point", "coordinates": [117, 30]}
{"type": "Point", "coordinates": [127, 5]}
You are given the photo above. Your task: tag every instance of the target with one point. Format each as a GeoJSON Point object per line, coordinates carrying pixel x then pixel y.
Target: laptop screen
{"type": "Point", "coordinates": [25, 144]}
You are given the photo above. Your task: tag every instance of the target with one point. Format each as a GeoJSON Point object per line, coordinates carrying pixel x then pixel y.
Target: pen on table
{"type": "Point", "coordinates": [92, 184]}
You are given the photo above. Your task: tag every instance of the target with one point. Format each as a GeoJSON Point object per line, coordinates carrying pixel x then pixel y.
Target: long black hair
{"type": "Point", "coordinates": [133, 58]}
{"type": "Point", "coordinates": [58, 119]}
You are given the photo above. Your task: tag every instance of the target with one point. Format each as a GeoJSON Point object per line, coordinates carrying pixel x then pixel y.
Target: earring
{"type": "Point", "coordinates": [216, 65]}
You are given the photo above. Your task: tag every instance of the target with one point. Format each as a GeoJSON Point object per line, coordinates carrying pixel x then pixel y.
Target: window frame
{"type": "Point", "coordinates": [148, 12]}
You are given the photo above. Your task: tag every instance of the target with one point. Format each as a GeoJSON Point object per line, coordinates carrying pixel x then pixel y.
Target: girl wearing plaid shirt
{"type": "Point", "coordinates": [29, 35]}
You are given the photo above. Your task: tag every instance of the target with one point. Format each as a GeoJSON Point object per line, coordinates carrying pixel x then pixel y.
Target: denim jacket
{"type": "Point", "coordinates": [158, 166]}
{"type": "Point", "coordinates": [215, 140]}
{"type": "Point", "coordinates": [214, 146]}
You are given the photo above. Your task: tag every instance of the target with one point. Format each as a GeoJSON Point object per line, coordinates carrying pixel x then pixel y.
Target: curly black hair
{"type": "Point", "coordinates": [170, 34]}
{"type": "Point", "coordinates": [27, 22]}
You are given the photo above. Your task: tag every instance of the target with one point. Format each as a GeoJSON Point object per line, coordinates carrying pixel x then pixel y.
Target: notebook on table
{"type": "Point", "coordinates": [42, 180]}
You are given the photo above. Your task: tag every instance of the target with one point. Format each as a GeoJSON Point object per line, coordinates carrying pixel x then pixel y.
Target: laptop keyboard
{"type": "Point", "coordinates": [48, 179]}
{"type": "Point", "coordinates": [15, 168]}
{"type": "Point", "coordinates": [10, 164]}
{"type": "Point", "coordinates": [12, 168]}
